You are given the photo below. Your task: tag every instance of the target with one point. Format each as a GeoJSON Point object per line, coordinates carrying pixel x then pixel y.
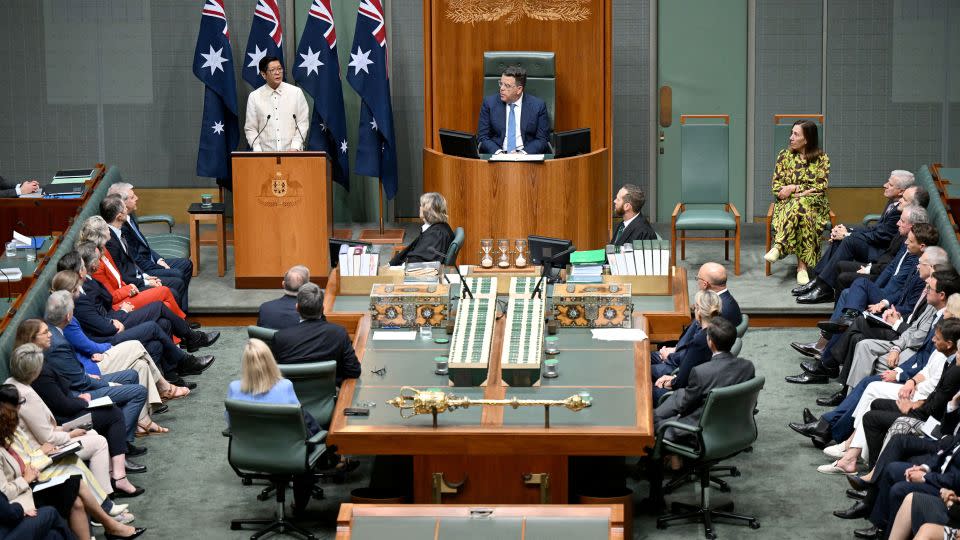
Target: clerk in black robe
{"type": "Point", "coordinates": [435, 233]}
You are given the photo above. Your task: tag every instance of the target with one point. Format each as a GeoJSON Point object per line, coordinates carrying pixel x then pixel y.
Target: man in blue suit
{"type": "Point", "coordinates": [513, 121]}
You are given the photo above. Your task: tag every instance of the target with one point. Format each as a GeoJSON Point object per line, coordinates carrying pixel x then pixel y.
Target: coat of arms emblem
{"type": "Point", "coordinates": [279, 185]}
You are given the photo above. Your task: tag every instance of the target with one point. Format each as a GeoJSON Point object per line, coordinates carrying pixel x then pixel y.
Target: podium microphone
{"type": "Point", "coordinates": [456, 269]}
{"type": "Point", "coordinates": [261, 131]}
{"type": "Point", "coordinates": [302, 140]}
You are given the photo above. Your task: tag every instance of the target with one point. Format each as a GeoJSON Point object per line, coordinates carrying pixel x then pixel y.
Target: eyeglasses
{"type": "Point", "coordinates": [275, 70]}
{"type": "Point", "coordinates": [508, 86]}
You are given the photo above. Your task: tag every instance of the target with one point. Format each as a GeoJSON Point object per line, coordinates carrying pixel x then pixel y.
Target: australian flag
{"type": "Point", "coordinates": [266, 39]}
{"type": "Point", "coordinates": [318, 72]}
{"type": "Point", "coordinates": [213, 64]}
{"type": "Point", "coordinates": [377, 149]}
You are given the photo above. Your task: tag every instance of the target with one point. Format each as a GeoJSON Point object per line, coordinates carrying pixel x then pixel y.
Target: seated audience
{"type": "Point", "coordinates": [12, 190]}
{"type": "Point", "coordinates": [850, 271]}
{"type": "Point", "coordinates": [629, 205]}
{"type": "Point", "coordinates": [96, 232]}
{"type": "Point", "coordinates": [435, 234]}
{"type": "Point", "coordinates": [19, 523]}
{"type": "Point", "coordinates": [72, 499]}
{"type": "Point", "coordinates": [862, 245]}
{"type": "Point", "coordinates": [801, 211]}
{"type": "Point", "coordinates": [145, 257]}
{"type": "Point", "coordinates": [672, 371]}
{"type": "Point", "coordinates": [113, 211]}
{"type": "Point", "coordinates": [314, 339]}
{"type": "Point", "coordinates": [261, 381]}
{"type": "Point", "coordinates": [282, 312]}
{"type": "Point", "coordinates": [923, 516]}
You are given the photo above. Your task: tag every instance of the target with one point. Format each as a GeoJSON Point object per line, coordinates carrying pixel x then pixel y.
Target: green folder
{"type": "Point", "coordinates": [593, 256]}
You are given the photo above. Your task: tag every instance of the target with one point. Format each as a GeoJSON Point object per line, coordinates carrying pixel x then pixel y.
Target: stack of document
{"type": "Point", "coordinates": [586, 266]}
{"type": "Point", "coordinates": [359, 260]}
{"type": "Point", "coordinates": [421, 272]}
{"type": "Point", "coordinates": [641, 258]}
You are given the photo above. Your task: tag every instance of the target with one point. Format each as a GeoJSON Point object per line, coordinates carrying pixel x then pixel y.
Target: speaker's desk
{"type": "Point", "coordinates": [568, 198]}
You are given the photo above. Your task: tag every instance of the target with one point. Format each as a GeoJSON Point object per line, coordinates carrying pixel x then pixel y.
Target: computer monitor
{"type": "Point", "coordinates": [459, 143]}
{"type": "Point", "coordinates": [542, 247]}
{"type": "Point", "coordinates": [571, 143]}
{"type": "Point", "coordinates": [335, 244]}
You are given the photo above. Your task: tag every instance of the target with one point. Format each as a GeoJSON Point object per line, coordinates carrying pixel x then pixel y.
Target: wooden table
{"type": "Point", "coordinates": [199, 214]}
{"type": "Point", "coordinates": [40, 217]}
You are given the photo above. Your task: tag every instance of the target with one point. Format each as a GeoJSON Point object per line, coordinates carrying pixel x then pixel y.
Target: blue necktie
{"type": "Point", "coordinates": [511, 129]}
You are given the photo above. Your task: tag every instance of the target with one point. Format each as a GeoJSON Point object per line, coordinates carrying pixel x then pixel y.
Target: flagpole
{"type": "Point", "coordinates": [380, 183]}
{"type": "Point", "coordinates": [382, 235]}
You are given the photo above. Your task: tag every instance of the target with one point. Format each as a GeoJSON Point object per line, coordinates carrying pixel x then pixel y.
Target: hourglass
{"type": "Point", "coordinates": [521, 251]}
{"type": "Point", "coordinates": [486, 246]}
{"type": "Point", "coordinates": [504, 247]}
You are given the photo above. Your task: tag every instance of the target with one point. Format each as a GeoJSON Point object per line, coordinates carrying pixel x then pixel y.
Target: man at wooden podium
{"type": "Point", "coordinates": [277, 113]}
{"type": "Point", "coordinates": [513, 121]}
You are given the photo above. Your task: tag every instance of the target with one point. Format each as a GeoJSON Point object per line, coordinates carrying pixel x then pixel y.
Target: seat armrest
{"type": "Point", "coordinates": [733, 209]}
{"type": "Point", "coordinates": [770, 213]}
{"type": "Point", "coordinates": [664, 397]}
{"type": "Point", "coordinates": [678, 425]}
{"type": "Point", "coordinates": [677, 209]}
{"type": "Point", "coordinates": [158, 218]}
{"type": "Point", "coordinates": [318, 438]}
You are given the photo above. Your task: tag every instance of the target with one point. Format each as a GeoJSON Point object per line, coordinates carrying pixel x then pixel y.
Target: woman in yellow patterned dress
{"type": "Point", "coordinates": [801, 211]}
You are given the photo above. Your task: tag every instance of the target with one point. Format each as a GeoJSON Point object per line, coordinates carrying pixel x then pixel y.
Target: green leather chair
{"type": "Point", "coordinates": [263, 334]}
{"type": "Point", "coordinates": [454, 249]}
{"type": "Point", "coordinates": [737, 347]}
{"type": "Point", "coordinates": [269, 441]}
{"type": "Point", "coordinates": [316, 386]}
{"type": "Point", "coordinates": [726, 428]}
{"type": "Point", "coordinates": [743, 326]}
{"type": "Point", "coordinates": [705, 186]}
{"type": "Point", "coordinates": [541, 74]}
{"type": "Point", "coordinates": [168, 245]}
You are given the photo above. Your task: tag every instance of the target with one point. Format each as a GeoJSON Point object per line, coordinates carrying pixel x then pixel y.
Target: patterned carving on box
{"type": "Point", "coordinates": [482, 287]}
{"type": "Point", "coordinates": [522, 341]}
{"type": "Point", "coordinates": [470, 343]}
{"type": "Point", "coordinates": [607, 305]}
{"type": "Point", "coordinates": [409, 305]}
{"type": "Point", "coordinates": [522, 287]}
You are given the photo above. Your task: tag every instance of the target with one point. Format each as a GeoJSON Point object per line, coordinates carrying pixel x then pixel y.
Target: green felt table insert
{"type": "Point", "coordinates": [378, 528]}
{"type": "Point", "coordinates": [611, 407]}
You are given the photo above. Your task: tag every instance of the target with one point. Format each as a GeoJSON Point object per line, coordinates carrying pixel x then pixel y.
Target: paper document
{"type": "Point", "coordinates": [81, 420]}
{"type": "Point", "coordinates": [53, 482]}
{"type": "Point", "coordinates": [100, 402]}
{"type": "Point", "coordinates": [68, 449]}
{"type": "Point", "coordinates": [10, 274]}
{"type": "Point", "coordinates": [392, 335]}
{"type": "Point", "coordinates": [618, 334]}
{"type": "Point", "coordinates": [22, 240]}
{"type": "Point", "coordinates": [516, 157]}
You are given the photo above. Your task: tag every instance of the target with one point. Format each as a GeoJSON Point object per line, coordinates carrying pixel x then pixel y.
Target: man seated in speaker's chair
{"type": "Point", "coordinates": [513, 121]}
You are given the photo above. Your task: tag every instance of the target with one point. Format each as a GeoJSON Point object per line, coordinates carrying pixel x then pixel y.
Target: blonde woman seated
{"type": "Point", "coordinates": [435, 233]}
{"type": "Point", "coordinates": [103, 358]}
{"type": "Point", "coordinates": [38, 457]}
{"type": "Point", "coordinates": [261, 381]}
{"type": "Point", "coordinates": [72, 499]}
{"type": "Point", "coordinates": [96, 231]}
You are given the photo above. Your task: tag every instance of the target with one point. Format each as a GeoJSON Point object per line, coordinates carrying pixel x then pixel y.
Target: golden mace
{"type": "Point", "coordinates": [436, 401]}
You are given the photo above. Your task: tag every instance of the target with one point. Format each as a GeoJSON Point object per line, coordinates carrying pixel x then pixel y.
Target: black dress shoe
{"type": "Point", "coordinates": [180, 381]}
{"type": "Point", "coordinates": [856, 495]}
{"type": "Point", "coordinates": [807, 378]}
{"type": "Point", "coordinates": [120, 494]}
{"type": "Point", "coordinates": [834, 327]}
{"type": "Point", "coordinates": [134, 468]}
{"type": "Point", "coordinates": [137, 531]}
{"type": "Point", "coordinates": [195, 365]}
{"type": "Point", "coordinates": [869, 533]}
{"type": "Point", "coordinates": [808, 417]}
{"type": "Point", "coordinates": [805, 288]}
{"type": "Point", "coordinates": [833, 400]}
{"type": "Point", "coordinates": [807, 349]}
{"type": "Point", "coordinates": [857, 511]}
{"type": "Point", "coordinates": [817, 368]}
{"type": "Point", "coordinates": [135, 450]}
{"type": "Point", "coordinates": [818, 431]}
{"type": "Point", "coordinates": [200, 339]}
{"type": "Point", "coordinates": [817, 295]}
{"type": "Point", "coordinates": [858, 483]}
{"type": "Point", "coordinates": [160, 409]}
{"type": "Point", "coordinates": [194, 326]}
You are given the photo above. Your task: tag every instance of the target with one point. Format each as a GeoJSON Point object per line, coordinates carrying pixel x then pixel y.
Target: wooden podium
{"type": "Point", "coordinates": [282, 216]}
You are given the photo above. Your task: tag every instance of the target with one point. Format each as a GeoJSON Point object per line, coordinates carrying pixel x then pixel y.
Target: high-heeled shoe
{"type": "Point", "coordinates": [120, 494]}
{"type": "Point", "coordinates": [136, 533]}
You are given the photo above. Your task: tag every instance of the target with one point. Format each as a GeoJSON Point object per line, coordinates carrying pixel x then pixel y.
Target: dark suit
{"type": "Point", "coordinates": [317, 340]}
{"type": "Point", "coordinates": [46, 525]}
{"type": "Point", "coordinates": [534, 124]}
{"type": "Point", "coordinates": [847, 270]}
{"type": "Point", "coordinates": [639, 229]}
{"type": "Point", "coordinates": [730, 309]}
{"type": "Point", "coordinates": [437, 236]}
{"type": "Point", "coordinates": [147, 258]}
{"type": "Point", "coordinates": [687, 358]}
{"type": "Point", "coordinates": [8, 189]}
{"type": "Point", "coordinates": [278, 314]}
{"type": "Point", "coordinates": [686, 404]}
{"type": "Point", "coordinates": [892, 488]}
{"type": "Point", "coordinates": [863, 245]}
{"type": "Point", "coordinates": [131, 272]}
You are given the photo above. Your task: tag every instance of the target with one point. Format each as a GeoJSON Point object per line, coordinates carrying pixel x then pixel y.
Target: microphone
{"type": "Point", "coordinates": [456, 269]}
{"type": "Point", "coordinates": [547, 267]}
{"type": "Point", "coordinates": [33, 241]}
{"type": "Point", "coordinates": [302, 140]}
{"type": "Point", "coordinates": [261, 131]}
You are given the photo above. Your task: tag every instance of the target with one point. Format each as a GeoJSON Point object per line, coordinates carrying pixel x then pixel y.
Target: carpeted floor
{"type": "Point", "coordinates": [193, 493]}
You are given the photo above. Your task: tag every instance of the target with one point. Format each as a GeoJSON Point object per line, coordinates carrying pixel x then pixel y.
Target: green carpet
{"type": "Point", "coordinates": [193, 493]}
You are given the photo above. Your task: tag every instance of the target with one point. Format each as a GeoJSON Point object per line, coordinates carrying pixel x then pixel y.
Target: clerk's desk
{"type": "Point", "coordinates": [491, 447]}
{"type": "Point", "coordinates": [568, 198]}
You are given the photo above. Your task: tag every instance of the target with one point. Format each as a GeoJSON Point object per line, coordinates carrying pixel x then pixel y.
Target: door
{"type": "Point", "coordinates": [701, 69]}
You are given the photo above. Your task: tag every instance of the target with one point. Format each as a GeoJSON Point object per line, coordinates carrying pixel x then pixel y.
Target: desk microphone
{"type": "Point", "coordinates": [456, 268]}
{"type": "Point", "coordinates": [547, 267]}
{"type": "Point", "coordinates": [261, 131]}
{"type": "Point", "coordinates": [302, 140]}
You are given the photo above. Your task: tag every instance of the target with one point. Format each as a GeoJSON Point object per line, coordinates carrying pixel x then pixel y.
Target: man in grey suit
{"type": "Point", "coordinates": [723, 369]}
{"type": "Point", "coordinates": [282, 312]}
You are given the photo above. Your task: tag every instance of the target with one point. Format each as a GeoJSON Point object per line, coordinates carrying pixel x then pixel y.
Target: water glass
{"type": "Point", "coordinates": [11, 249]}
{"type": "Point", "coordinates": [426, 332]}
